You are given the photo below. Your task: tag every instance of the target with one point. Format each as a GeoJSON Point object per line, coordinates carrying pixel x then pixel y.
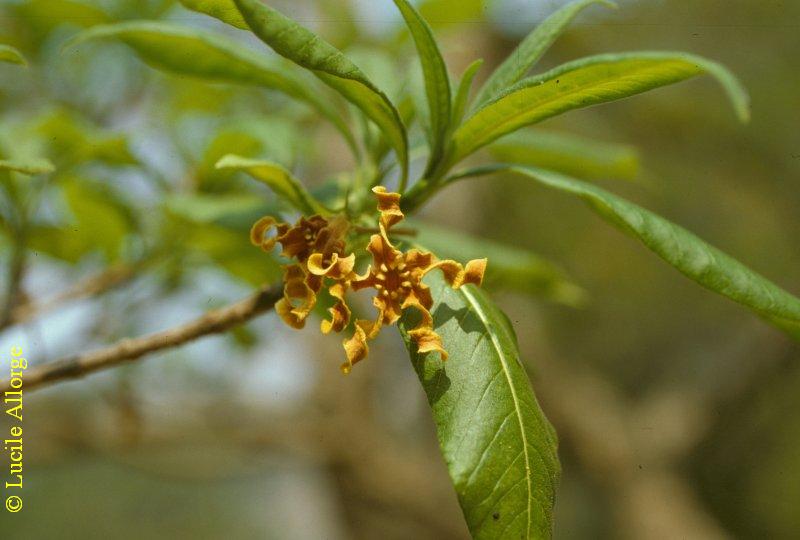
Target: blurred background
{"type": "Point", "coordinates": [677, 411]}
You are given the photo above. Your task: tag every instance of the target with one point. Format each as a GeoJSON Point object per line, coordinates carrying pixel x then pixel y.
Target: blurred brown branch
{"type": "Point", "coordinates": [213, 322]}
{"type": "Point", "coordinates": [16, 272]}
{"type": "Point", "coordinates": [94, 285]}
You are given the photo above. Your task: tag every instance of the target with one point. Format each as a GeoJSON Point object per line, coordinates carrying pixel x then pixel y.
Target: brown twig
{"type": "Point", "coordinates": [213, 322]}
{"type": "Point", "coordinates": [99, 283]}
{"type": "Point", "coordinates": [16, 273]}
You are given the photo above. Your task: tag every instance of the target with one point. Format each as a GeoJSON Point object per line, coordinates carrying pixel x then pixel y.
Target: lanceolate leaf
{"type": "Point", "coordinates": [11, 55]}
{"type": "Point", "coordinates": [500, 450]}
{"type": "Point", "coordinates": [28, 166]}
{"type": "Point", "coordinates": [696, 259]}
{"type": "Point", "coordinates": [532, 48]}
{"type": "Point", "coordinates": [437, 81]}
{"type": "Point", "coordinates": [511, 268]}
{"type": "Point", "coordinates": [308, 50]}
{"type": "Point", "coordinates": [278, 179]}
{"type": "Point", "coordinates": [224, 10]}
{"type": "Point", "coordinates": [462, 94]}
{"type": "Point", "coordinates": [583, 83]}
{"type": "Point", "coordinates": [190, 51]}
{"type": "Point", "coordinates": [568, 154]}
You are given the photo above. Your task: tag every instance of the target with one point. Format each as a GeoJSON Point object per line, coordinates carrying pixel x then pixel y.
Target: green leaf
{"type": "Point", "coordinates": [224, 10]}
{"type": "Point", "coordinates": [71, 140]}
{"type": "Point", "coordinates": [245, 135]}
{"type": "Point", "coordinates": [462, 94]}
{"type": "Point", "coordinates": [278, 179]}
{"type": "Point", "coordinates": [44, 15]}
{"type": "Point", "coordinates": [510, 268]}
{"type": "Point", "coordinates": [194, 52]}
{"type": "Point", "coordinates": [568, 154]}
{"type": "Point", "coordinates": [583, 83]}
{"type": "Point", "coordinates": [531, 49]}
{"type": "Point", "coordinates": [500, 450]}
{"type": "Point", "coordinates": [29, 166]}
{"type": "Point", "coordinates": [99, 219]}
{"type": "Point", "coordinates": [693, 257]}
{"type": "Point", "coordinates": [441, 13]}
{"type": "Point", "coordinates": [437, 81]}
{"type": "Point", "coordinates": [61, 242]}
{"type": "Point", "coordinates": [308, 50]}
{"type": "Point", "coordinates": [11, 55]}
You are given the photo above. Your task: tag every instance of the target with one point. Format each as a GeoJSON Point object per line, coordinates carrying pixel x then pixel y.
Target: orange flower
{"type": "Point", "coordinates": [318, 245]}
{"type": "Point", "coordinates": [397, 279]}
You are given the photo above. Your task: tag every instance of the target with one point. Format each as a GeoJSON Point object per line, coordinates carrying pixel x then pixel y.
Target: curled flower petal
{"type": "Point", "coordinates": [340, 312]}
{"type": "Point", "coordinates": [423, 335]}
{"type": "Point", "coordinates": [258, 233]}
{"type": "Point", "coordinates": [382, 250]}
{"type": "Point", "coordinates": [389, 304]}
{"type": "Point", "coordinates": [337, 268]}
{"type": "Point", "coordinates": [419, 260]}
{"type": "Point", "coordinates": [457, 275]}
{"type": "Point", "coordinates": [298, 298]}
{"type": "Point", "coordinates": [388, 206]}
{"type": "Point", "coordinates": [356, 348]}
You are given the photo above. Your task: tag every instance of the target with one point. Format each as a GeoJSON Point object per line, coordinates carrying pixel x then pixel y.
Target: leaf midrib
{"type": "Point", "coordinates": [477, 309]}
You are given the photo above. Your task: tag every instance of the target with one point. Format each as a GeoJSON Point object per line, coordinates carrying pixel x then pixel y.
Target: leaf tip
{"type": "Point", "coordinates": [571, 295]}
{"type": "Point", "coordinates": [227, 161]}
{"type": "Point", "coordinates": [743, 110]}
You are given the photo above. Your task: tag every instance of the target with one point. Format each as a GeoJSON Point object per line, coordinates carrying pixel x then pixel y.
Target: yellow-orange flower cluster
{"type": "Point", "coordinates": [318, 246]}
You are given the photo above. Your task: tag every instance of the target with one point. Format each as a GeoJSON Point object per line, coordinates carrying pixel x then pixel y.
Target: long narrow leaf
{"type": "Point", "coordinates": [583, 83]}
{"type": "Point", "coordinates": [437, 81]}
{"type": "Point", "coordinates": [308, 50]}
{"type": "Point", "coordinates": [693, 257]}
{"type": "Point", "coordinates": [11, 55]}
{"type": "Point", "coordinates": [190, 51]}
{"type": "Point", "coordinates": [462, 94]}
{"type": "Point", "coordinates": [531, 49]}
{"type": "Point", "coordinates": [500, 449]}
{"type": "Point", "coordinates": [278, 179]}
{"type": "Point", "coordinates": [224, 10]}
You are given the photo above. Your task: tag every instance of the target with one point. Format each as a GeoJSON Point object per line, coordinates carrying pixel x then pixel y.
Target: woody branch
{"type": "Point", "coordinates": [213, 322]}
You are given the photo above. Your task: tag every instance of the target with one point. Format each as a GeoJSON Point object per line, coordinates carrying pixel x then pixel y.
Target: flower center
{"type": "Point", "coordinates": [393, 280]}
